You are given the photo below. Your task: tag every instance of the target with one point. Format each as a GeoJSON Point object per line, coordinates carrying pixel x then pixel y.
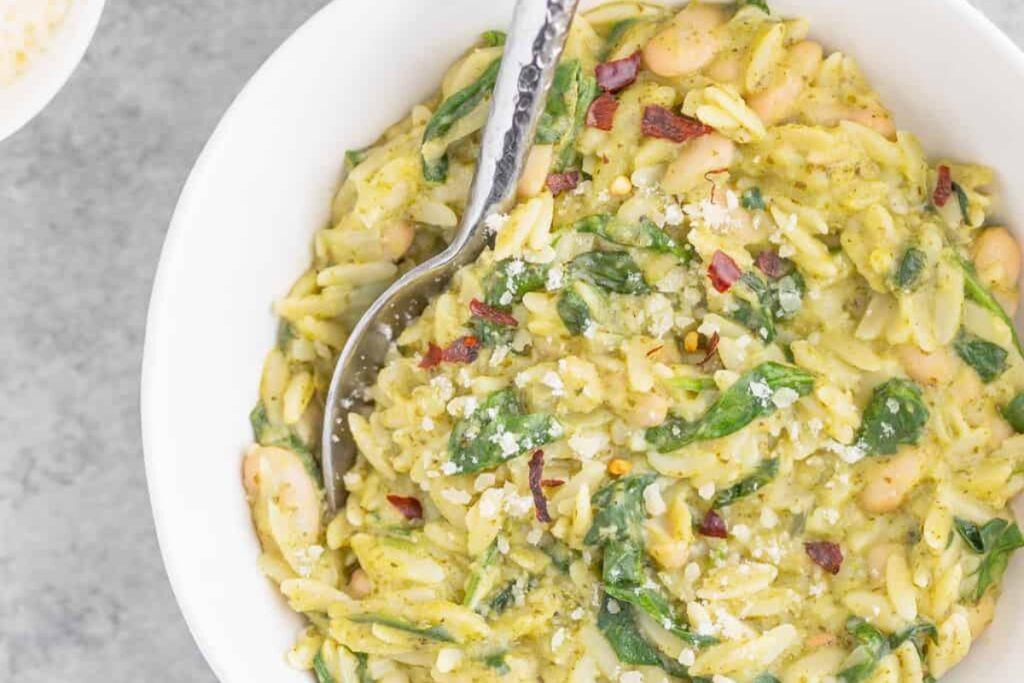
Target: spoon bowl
{"type": "Point", "coordinates": [535, 42]}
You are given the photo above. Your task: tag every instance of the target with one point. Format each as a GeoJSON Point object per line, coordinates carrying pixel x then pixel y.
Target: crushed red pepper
{"type": "Point", "coordinates": [615, 75]}
{"type": "Point", "coordinates": [659, 122]}
{"type": "Point", "coordinates": [540, 503]}
{"type": "Point", "coordinates": [601, 114]}
{"type": "Point", "coordinates": [723, 272]}
{"type": "Point", "coordinates": [826, 555]}
{"type": "Point", "coordinates": [410, 507]}
{"type": "Point", "coordinates": [495, 315]}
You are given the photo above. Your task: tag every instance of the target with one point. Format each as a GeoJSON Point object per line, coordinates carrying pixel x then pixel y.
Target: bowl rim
{"type": "Point", "coordinates": [157, 319]}
{"type": "Point", "coordinates": [31, 92]}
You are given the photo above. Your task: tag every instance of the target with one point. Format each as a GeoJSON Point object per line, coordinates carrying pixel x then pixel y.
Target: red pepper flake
{"type": "Point", "coordinates": [711, 348]}
{"type": "Point", "coordinates": [433, 357]}
{"type": "Point", "coordinates": [562, 182]}
{"type": "Point", "coordinates": [712, 525]}
{"type": "Point", "coordinates": [655, 350]}
{"type": "Point", "coordinates": [602, 110]}
{"type": "Point", "coordinates": [536, 474]}
{"type": "Point", "coordinates": [409, 507]}
{"type": "Point", "coordinates": [943, 187]}
{"type": "Point", "coordinates": [462, 350]}
{"type": "Point", "coordinates": [723, 272]}
{"type": "Point", "coordinates": [770, 263]}
{"type": "Point", "coordinates": [552, 483]}
{"type": "Point", "coordinates": [826, 555]}
{"type": "Point", "coordinates": [659, 122]}
{"type": "Point", "coordinates": [614, 76]}
{"type": "Point", "coordinates": [495, 315]}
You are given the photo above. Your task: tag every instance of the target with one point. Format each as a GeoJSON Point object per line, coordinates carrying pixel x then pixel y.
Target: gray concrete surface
{"type": "Point", "coordinates": [86, 192]}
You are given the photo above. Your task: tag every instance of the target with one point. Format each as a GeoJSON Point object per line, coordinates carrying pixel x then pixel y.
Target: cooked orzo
{"type": "Point", "coordinates": [734, 396]}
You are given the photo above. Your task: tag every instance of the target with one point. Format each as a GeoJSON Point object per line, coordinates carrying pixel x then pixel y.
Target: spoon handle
{"type": "Point", "coordinates": [535, 41]}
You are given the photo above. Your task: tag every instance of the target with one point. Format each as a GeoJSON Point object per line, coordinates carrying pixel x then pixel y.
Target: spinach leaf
{"type": "Point", "coordinates": [354, 157]}
{"type": "Point", "coordinates": [497, 662]}
{"type": "Point", "coordinates": [574, 312]}
{"type": "Point", "coordinates": [760, 4]}
{"type": "Point", "coordinates": [645, 234]}
{"type": "Point", "coordinates": [557, 117]}
{"type": "Point", "coordinates": [617, 623]}
{"type": "Point", "coordinates": [760, 303]}
{"type": "Point", "coordinates": [963, 202]}
{"type": "Point", "coordinates": [751, 199]}
{"type": "Point", "coordinates": [480, 577]}
{"type": "Point", "coordinates": [565, 112]}
{"type": "Point", "coordinates": [651, 601]}
{"type": "Point", "coordinates": [457, 106]}
{"type": "Point", "coordinates": [435, 171]}
{"type": "Point", "coordinates": [494, 38]}
{"type": "Point", "coordinates": [566, 154]}
{"type": "Point", "coordinates": [615, 34]}
{"type": "Point", "coordinates": [266, 434]}
{"type": "Point", "coordinates": [978, 293]}
{"type": "Point", "coordinates": [614, 271]}
{"type": "Point", "coordinates": [766, 678]}
{"type": "Point", "coordinates": [756, 315]}
{"type": "Point", "coordinates": [439, 633]}
{"type": "Point", "coordinates": [510, 280]}
{"type": "Point", "coordinates": [692, 384]}
{"type": "Point", "coordinates": [617, 528]}
{"type": "Point", "coordinates": [1014, 413]}
{"type": "Point", "coordinates": [996, 540]}
{"type": "Point", "coordinates": [766, 471]}
{"type": "Point", "coordinates": [909, 271]}
{"type": "Point", "coordinates": [363, 667]}
{"type": "Point", "coordinates": [320, 669]}
{"type": "Point", "coordinates": [503, 599]}
{"type": "Point", "coordinates": [497, 431]}
{"type": "Point", "coordinates": [748, 399]}
{"type": "Point", "coordinates": [873, 647]}
{"type": "Point", "coordinates": [492, 333]}
{"type": "Point", "coordinates": [987, 359]}
{"type": "Point", "coordinates": [895, 415]}
{"type": "Point", "coordinates": [915, 633]}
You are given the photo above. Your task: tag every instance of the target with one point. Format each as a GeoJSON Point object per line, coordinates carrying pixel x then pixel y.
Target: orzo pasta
{"type": "Point", "coordinates": [734, 396]}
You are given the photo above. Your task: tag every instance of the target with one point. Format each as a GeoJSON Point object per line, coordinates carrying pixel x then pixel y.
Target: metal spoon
{"type": "Point", "coordinates": [535, 41]}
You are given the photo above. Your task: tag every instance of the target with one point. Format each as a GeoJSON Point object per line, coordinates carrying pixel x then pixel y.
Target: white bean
{"type": "Point", "coordinates": [997, 258]}
{"type": "Point", "coordinates": [687, 44]}
{"type": "Point", "coordinates": [697, 158]}
{"type": "Point", "coordinates": [776, 102]}
{"type": "Point", "coordinates": [927, 368]}
{"type": "Point", "coordinates": [889, 484]}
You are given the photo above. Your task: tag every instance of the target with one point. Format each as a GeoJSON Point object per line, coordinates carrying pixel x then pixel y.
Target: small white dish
{"type": "Point", "coordinates": [243, 227]}
{"type": "Point", "coordinates": [33, 90]}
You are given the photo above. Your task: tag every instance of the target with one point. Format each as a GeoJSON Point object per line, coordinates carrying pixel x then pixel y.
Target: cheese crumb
{"type": "Point", "coordinates": [706, 490]}
{"type": "Point", "coordinates": [653, 501]}
{"type": "Point", "coordinates": [495, 222]}
{"type": "Point", "coordinates": [455, 496]}
{"type": "Point", "coordinates": [557, 639]}
{"type": "Point", "coordinates": [534, 536]}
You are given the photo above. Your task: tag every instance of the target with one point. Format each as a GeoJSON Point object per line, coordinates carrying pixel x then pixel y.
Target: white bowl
{"type": "Point", "coordinates": [243, 228]}
{"type": "Point", "coordinates": [30, 93]}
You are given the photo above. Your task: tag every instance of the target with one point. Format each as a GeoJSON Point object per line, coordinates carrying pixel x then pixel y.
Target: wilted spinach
{"type": "Point", "coordinates": [895, 415]}
{"type": "Point", "coordinates": [497, 431]}
{"type": "Point", "coordinates": [748, 399]}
